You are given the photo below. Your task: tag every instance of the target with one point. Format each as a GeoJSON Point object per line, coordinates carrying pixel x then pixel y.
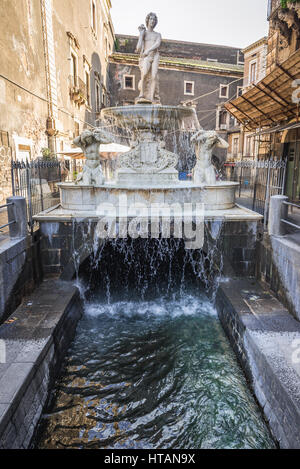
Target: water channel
{"type": "Point", "coordinates": [150, 366]}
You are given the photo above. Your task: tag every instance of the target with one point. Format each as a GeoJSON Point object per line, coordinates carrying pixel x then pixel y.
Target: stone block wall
{"type": "Point", "coordinates": [45, 326]}
{"type": "Point", "coordinates": [20, 271]}
{"type": "Point", "coordinates": [65, 245]}
{"type": "Point", "coordinates": [279, 268]}
{"type": "Point", "coordinates": [261, 332]}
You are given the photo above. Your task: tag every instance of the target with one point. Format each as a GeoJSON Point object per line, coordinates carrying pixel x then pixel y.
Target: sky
{"type": "Point", "coordinates": [236, 23]}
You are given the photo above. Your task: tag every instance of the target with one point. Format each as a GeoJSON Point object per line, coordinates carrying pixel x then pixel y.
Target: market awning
{"type": "Point", "coordinates": [278, 128]}
{"type": "Point", "coordinates": [269, 102]}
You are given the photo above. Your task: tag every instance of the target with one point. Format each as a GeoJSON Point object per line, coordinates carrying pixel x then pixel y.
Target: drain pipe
{"type": "Point", "coordinates": [50, 69]}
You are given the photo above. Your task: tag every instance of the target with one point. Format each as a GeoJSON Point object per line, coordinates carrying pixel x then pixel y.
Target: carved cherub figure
{"type": "Point", "coordinates": [204, 142]}
{"type": "Point", "coordinates": [89, 142]}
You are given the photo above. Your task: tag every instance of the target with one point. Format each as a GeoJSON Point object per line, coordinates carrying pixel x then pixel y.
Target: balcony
{"type": "Point", "coordinates": [77, 89]}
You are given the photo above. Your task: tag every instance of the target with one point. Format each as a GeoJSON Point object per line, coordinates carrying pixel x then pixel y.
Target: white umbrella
{"type": "Point", "coordinates": [105, 148]}
{"type": "Point", "coordinates": [113, 148]}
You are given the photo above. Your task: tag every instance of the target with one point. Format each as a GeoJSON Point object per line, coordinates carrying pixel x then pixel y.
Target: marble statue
{"type": "Point", "coordinates": [204, 142]}
{"type": "Point", "coordinates": [89, 142]}
{"type": "Point", "coordinates": [148, 46]}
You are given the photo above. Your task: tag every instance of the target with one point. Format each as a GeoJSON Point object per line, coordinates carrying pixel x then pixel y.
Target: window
{"type": "Point", "coordinates": [76, 129]}
{"type": "Point", "coordinates": [224, 91]}
{"type": "Point", "coordinates": [222, 119]}
{"type": "Point", "coordinates": [189, 87]}
{"type": "Point", "coordinates": [87, 85]}
{"type": "Point", "coordinates": [106, 47]}
{"type": "Point", "coordinates": [93, 15]}
{"type": "Point", "coordinates": [23, 148]}
{"type": "Point", "coordinates": [98, 97]}
{"type": "Point", "coordinates": [129, 82]}
{"type": "Point", "coordinates": [74, 69]}
{"type": "Point", "coordinates": [103, 97]}
{"type": "Point", "coordinates": [252, 70]}
{"type": "Point", "coordinates": [239, 59]}
{"type": "Point", "coordinates": [249, 142]}
{"type": "Point", "coordinates": [235, 146]}
{"type": "Point", "coordinates": [239, 91]}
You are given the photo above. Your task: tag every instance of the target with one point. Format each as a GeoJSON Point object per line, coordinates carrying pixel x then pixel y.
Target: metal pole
{"type": "Point", "coordinates": [267, 202]}
{"type": "Point", "coordinates": [41, 188]}
{"type": "Point", "coordinates": [12, 177]}
{"type": "Point", "coordinates": [28, 183]}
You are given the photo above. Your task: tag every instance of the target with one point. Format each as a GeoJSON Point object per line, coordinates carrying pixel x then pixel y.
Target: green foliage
{"type": "Point", "coordinates": [284, 3]}
{"type": "Point", "coordinates": [48, 154]}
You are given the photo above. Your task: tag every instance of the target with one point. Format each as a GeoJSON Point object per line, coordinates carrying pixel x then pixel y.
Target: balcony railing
{"type": "Point", "coordinates": [78, 90]}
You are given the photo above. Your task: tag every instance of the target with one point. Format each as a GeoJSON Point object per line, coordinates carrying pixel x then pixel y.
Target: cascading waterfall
{"type": "Point", "coordinates": [150, 366]}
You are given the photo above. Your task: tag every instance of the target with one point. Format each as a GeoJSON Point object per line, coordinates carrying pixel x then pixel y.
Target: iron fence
{"type": "Point", "coordinates": [259, 180]}
{"type": "Point", "coordinates": [37, 182]}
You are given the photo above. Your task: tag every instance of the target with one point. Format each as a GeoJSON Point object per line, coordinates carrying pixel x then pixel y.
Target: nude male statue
{"type": "Point", "coordinates": [148, 46]}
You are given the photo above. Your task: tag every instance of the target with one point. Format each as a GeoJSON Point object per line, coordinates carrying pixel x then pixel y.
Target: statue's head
{"type": "Point", "coordinates": [149, 16]}
{"type": "Point", "coordinates": [210, 138]}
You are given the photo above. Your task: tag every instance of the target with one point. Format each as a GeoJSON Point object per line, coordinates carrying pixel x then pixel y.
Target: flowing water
{"type": "Point", "coordinates": [150, 367]}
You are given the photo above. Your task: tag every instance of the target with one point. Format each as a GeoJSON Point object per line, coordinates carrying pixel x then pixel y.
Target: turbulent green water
{"type": "Point", "coordinates": [152, 374]}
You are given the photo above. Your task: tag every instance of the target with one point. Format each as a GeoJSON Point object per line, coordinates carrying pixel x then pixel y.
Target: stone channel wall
{"type": "Point", "coordinates": [278, 266]}
{"type": "Point", "coordinates": [20, 271]}
{"type": "Point", "coordinates": [36, 341]}
{"type": "Point", "coordinates": [263, 335]}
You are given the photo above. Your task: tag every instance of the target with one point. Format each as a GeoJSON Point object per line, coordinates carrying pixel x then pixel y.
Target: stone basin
{"type": "Point", "coordinates": [89, 198]}
{"type": "Point", "coordinates": [155, 118]}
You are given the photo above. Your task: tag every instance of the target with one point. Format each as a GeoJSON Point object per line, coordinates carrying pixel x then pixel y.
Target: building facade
{"type": "Point", "coordinates": [242, 142]}
{"type": "Point", "coordinates": [269, 110]}
{"type": "Point", "coordinates": [54, 76]}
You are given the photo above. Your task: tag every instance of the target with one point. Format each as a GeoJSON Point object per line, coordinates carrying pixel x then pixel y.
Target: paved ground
{"type": "Point", "coordinates": [32, 343]}
{"type": "Point", "coordinates": [267, 340]}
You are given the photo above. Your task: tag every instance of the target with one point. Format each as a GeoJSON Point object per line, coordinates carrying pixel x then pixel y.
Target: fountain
{"type": "Point", "coordinates": [150, 366]}
{"type": "Point", "coordinates": [147, 172]}
{"type": "Point", "coordinates": [147, 176]}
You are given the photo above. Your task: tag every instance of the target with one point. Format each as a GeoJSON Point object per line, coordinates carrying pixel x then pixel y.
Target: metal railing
{"type": "Point", "coordinates": [288, 222]}
{"type": "Point", "coordinates": [37, 182]}
{"type": "Point", "coordinates": [9, 223]}
{"type": "Point", "coordinates": [259, 181]}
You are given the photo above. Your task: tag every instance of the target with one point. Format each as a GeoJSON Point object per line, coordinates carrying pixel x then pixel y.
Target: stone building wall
{"type": "Point", "coordinates": [20, 271]}
{"type": "Point", "coordinates": [36, 109]}
{"type": "Point", "coordinates": [5, 173]}
{"type": "Point", "coordinates": [190, 50]}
